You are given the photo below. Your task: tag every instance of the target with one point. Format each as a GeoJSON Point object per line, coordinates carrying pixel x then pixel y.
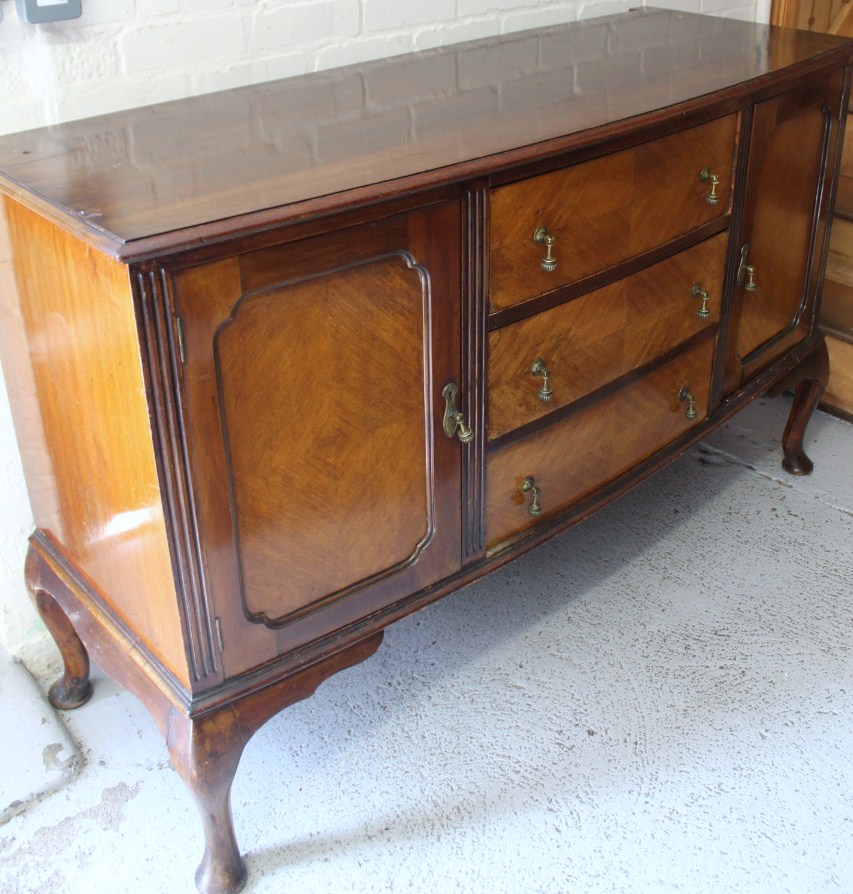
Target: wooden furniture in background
{"type": "Point", "coordinates": [827, 16]}
{"type": "Point", "coordinates": [833, 17]}
{"type": "Point", "coordinates": [289, 362]}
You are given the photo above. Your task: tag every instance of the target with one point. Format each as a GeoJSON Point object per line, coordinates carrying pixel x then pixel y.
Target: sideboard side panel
{"type": "Point", "coordinates": [72, 362]}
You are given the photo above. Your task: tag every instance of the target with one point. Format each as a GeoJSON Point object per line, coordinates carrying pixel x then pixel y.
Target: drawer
{"type": "Point", "coordinates": [607, 210]}
{"type": "Point", "coordinates": [598, 337]}
{"type": "Point", "coordinates": [587, 449]}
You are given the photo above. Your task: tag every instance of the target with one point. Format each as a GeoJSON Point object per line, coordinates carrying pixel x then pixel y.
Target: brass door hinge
{"type": "Point", "coordinates": [219, 640]}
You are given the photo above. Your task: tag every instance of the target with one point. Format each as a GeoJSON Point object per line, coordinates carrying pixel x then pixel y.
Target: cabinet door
{"type": "Point", "coordinates": [313, 371]}
{"type": "Point", "coordinates": [792, 155]}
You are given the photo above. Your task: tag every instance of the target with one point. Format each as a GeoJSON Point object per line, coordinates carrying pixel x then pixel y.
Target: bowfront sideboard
{"type": "Point", "coordinates": [291, 361]}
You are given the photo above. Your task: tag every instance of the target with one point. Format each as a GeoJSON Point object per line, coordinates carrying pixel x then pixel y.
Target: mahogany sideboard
{"type": "Point", "coordinates": [290, 361]}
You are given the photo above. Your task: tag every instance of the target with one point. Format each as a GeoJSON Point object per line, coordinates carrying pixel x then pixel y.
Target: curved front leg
{"type": "Point", "coordinates": [206, 753]}
{"type": "Point", "coordinates": [206, 750]}
{"type": "Point", "coordinates": [205, 738]}
{"type": "Point", "coordinates": [73, 688]}
{"type": "Point", "coordinates": [809, 380]}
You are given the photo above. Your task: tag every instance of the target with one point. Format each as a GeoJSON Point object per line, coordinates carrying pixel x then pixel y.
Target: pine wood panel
{"type": "Point", "coordinates": [846, 170]}
{"type": "Point", "coordinates": [836, 313]}
{"type": "Point", "coordinates": [819, 15]}
{"type": "Point", "coordinates": [75, 378]}
{"type": "Point", "coordinates": [573, 457]}
{"type": "Point", "coordinates": [837, 309]}
{"type": "Point", "coordinates": [594, 339]}
{"type": "Point", "coordinates": [839, 261]}
{"type": "Point", "coordinates": [606, 210]}
{"type": "Point", "coordinates": [784, 13]}
{"type": "Point", "coordinates": [839, 391]}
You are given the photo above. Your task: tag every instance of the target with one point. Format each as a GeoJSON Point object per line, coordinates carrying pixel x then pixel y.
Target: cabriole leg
{"type": "Point", "coordinates": [206, 752]}
{"type": "Point", "coordinates": [73, 688]}
{"type": "Point", "coordinates": [809, 380]}
{"type": "Point", "coordinates": [205, 745]}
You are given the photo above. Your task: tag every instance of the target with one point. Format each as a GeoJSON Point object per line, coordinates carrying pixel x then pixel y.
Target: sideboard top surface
{"type": "Point", "coordinates": [410, 121]}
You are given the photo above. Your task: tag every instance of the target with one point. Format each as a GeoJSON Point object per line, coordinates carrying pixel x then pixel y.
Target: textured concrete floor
{"type": "Point", "coordinates": [659, 700]}
{"type": "Point", "coordinates": [38, 755]}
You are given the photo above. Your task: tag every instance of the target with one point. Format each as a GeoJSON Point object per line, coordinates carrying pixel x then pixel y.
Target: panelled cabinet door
{"type": "Point", "coordinates": [313, 371]}
{"type": "Point", "coordinates": [792, 154]}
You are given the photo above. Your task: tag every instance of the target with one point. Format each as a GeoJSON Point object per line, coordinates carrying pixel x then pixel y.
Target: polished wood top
{"type": "Point", "coordinates": [373, 129]}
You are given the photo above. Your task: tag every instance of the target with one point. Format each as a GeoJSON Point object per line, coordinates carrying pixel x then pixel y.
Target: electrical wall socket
{"type": "Point", "coordinates": [37, 12]}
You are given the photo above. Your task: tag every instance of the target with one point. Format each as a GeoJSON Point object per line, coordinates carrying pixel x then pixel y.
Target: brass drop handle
{"type": "Point", "coordinates": [705, 176]}
{"type": "Point", "coordinates": [454, 420]}
{"type": "Point", "coordinates": [687, 395]}
{"type": "Point", "coordinates": [745, 271]}
{"type": "Point", "coordinates": [539, 369]}
{"type": "Point", "coordinates": [698, 292]}
{"type": "Point", "coordinates": [543, 237]}
{"type": "Point", "coordinates": [528, 486]}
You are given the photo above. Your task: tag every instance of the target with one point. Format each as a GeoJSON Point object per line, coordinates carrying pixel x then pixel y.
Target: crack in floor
{"type": "Point", "coordinates": [784, 480]}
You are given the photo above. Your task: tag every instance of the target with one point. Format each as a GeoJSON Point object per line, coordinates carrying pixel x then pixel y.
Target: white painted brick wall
{"type": "Point", "coordinates": [126, 53]}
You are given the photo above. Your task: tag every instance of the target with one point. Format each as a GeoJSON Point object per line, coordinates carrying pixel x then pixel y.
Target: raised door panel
{"type": "Point", "coordinates": [791, 157]}
{"type": "Point", "coordinates": [325, 485]}
{"type": "Point", "coordinates": [325, 433]}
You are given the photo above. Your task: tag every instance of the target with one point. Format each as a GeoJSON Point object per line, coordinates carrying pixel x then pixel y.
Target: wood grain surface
{"type": "Point", "coordinates": [382, 126]}
{"type": "Point", "coordinates": [602, 335]}
{"type": "Point", "coordinates": [313, 381]}
{"type": "Point", "coordinates": [233, 440]}
{"type": "Point", "coordinates": [604, 211]}
{"type": "Point", "coordinates": [785, 211]}
{"type": "Point", "coordinates": [322, 395]}
{"type": "Point", "coordinates": [591, 447]}
{"type": "Point", "coordinates": [74, 371]}
{"type": "Point", "coordinates": [839, 391]}
{"type": "Point", "coordinates": [786, 158]}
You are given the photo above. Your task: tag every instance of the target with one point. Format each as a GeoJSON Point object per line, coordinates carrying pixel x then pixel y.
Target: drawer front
{"type": "Point", "coordinates": [592, 340]}
{"type": "Point", "coordinates": [607, 210]}
{"type": "Point", "coordinates": [573, 457]}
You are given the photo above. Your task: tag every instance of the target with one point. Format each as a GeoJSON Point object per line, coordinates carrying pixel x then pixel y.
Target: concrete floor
{"type": "Point", "coordinates": [38, 756]}
{"type": "Point", "coordinates": [659, 700]}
